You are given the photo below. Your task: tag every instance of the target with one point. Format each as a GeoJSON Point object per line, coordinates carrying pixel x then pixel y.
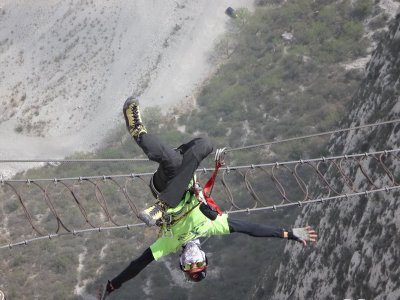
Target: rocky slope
{"type": "Point", "coordinates": [358, 252]}
{"type": "Point", "coordinates": [67, 66]}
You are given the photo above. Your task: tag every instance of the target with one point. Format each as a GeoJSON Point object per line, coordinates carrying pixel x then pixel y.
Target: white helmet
{"type": "Point", "coordinates": [193, 261]}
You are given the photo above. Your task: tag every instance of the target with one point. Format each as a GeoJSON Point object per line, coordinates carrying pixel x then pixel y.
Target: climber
{"type": "Point", "coordinates": [180, 211]}
{"type": "Point", "coordinates": [184, 235]}
{"type": "Point", "coordinates": [176, 166]}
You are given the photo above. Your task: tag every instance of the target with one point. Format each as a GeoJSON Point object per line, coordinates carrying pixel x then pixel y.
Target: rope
{"type": "Point", "coordinates": [205, 170]}
{"type": "Point", "coordinates": [318, 200]}
{"type": "Point", "coordinates": [91, 160]}
{"type": "Point", "coordinates": [73, 232]}
{"type": "Point", "coordinates": [386, 189]}
{"type": "Point", "coordinates": [279, 173]}
{"type": "Point", "coordinates": [313, 135]}
{"type": "Point", "coordinates": [226, 169]}
{"type": "Point", "coordinates": [81, 178]}
{"type": "Point", "coordinates": [227, 150]}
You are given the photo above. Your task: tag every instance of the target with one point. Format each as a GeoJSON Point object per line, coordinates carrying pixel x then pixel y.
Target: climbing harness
{"type": "Point", "coordinates": [202, 194]}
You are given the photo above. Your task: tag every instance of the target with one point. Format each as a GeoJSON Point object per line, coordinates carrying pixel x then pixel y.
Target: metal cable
{"type": "Point", "coordinates": [313, 135]}
{"type": "Point", "coordinates": [73, 232]}
{"type": "Point", "coordinates": [91, 160]}
{"type": "Point", "coordinates": [318, 200]}
{"type": "Point", "coordinates": [285, 185]}
{"type": "Point", "coordinates": [227, 168]}
{"type": "Point", "coordinates": [386, 189]}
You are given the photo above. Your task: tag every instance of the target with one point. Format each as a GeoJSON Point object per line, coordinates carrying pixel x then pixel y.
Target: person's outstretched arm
{"type": "Point", "coordinates": [134, 268]}
{"type": "Point", "coordinates": [302, 235]}
{"type": "Point", "coordinates": [254, 229]}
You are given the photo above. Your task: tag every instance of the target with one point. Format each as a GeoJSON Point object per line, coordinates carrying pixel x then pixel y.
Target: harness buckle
{"type": "Point", "coordinates": [167, 219]}
{"type": "Point", "coordinates": [198, 192]}
{"type": "Point", "coordinates": [167, 232]}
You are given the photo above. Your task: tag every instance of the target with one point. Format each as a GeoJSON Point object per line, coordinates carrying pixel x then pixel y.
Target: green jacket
{"type": "Point", "coordinates": [192, 225]}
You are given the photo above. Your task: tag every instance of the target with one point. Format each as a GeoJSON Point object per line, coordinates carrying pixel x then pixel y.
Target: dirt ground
{"type": "Point", "coordinates": [66, 67]}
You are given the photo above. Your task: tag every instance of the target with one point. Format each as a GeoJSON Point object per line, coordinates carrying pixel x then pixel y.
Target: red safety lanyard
{"type": "Point", "coordinates": [208, 188]}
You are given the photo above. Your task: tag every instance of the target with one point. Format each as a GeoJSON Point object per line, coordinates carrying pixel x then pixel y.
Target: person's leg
{"type": "Point", "coordinates": [193, 153]}
{"type": "Point", "coordinates": [152, 147]}
{"type": "Point", "coordinates": [156, 151]}
{"type": "Point", "coordinates": [172, 183]}
{"type": "Point", "coordinates": [133, 118]}
{"type": "Point", "coordinates": [176, 167]}
{"type": "Point", "coordinates": [169, 159]}
{"type": "Point", "coordinates": [198, 147]}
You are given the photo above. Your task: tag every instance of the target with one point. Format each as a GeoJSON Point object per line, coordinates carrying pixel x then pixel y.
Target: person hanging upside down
{"type": "Point", "coordinates": [176, 166]}
{"type": "Point", "coordinates": [183, 218]}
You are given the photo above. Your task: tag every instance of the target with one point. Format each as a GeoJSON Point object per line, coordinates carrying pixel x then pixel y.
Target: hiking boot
{"type": "Point", "coordinates": [132, 118]}
{"type": "Point", "coordinates": [152, 215]}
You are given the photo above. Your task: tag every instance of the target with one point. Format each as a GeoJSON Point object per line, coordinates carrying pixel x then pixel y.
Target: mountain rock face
{"type": "Point", "coordinates": [358, 252]}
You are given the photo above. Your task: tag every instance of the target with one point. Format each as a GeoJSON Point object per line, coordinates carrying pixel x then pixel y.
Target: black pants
{"type": "Point", "coordinates": [176, 166]}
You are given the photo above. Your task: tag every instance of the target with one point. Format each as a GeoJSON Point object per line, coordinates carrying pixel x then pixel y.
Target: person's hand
{"type": "Point", "coordinates": [303, 235]}
{"type": "Point", "coordinates": [106, 290]}
{"type": "Point", "coordinates": [110, 288]}
{"type": "Point", "coordinates": [220, 156]}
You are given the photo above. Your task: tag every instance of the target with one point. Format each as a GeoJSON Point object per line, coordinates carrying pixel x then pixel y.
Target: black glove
{"type": "Point", "coordinates": [103, 292]}
{"type": "Point", "coordinates": [112, 287]}
{"type": "Point", "coordinates": [208, 211]}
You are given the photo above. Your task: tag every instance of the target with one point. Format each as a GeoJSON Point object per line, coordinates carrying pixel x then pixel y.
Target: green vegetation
{"type": "Point", "coordinates": [266, 88]}
{"type": "Point", "coordinates": [281, 87]}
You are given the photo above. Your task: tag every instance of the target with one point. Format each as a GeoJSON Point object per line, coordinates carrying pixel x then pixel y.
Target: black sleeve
{"type": "Point", "coordinates": [134, 268]}
{"type": "Point", "coordinates": [254, 229]}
